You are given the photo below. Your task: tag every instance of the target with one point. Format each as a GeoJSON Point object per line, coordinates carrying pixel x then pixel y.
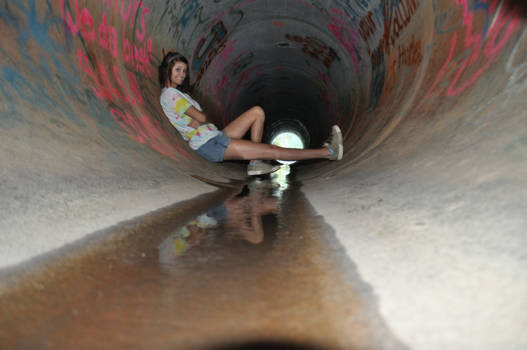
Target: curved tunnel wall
{"type": "Point", "coordinates": [430, 96]}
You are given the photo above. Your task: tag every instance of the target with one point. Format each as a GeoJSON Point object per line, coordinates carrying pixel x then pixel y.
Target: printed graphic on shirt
{"type": "Point", "coordinates": [175, 103]}
{"type": "Point", "coordinates": [181, 105]}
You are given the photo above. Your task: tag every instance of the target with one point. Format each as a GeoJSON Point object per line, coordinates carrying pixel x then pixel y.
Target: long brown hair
{"type": "Point", "coordinates": [165, 70]}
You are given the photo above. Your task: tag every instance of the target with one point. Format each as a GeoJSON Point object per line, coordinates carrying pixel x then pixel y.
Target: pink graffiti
{"type": "Point", "coordinates": [245, 3]}
{"type": "Point", "coordinates": [488, 47]}
{"type": "Point", "coordinates": [106, 79]}
{"type": "Point", "coordinates": [147, 130]}
{"type": "Point", "coordinates": [143, 128]}
{"type": "Point", "coordinates": [131, 12]}
{"type": "Point", "coordinates": [308, 4]}
{"type": "Point", "coordinates": [104, 88]}
{"type": "Point", "coordinates": [138, 55]}
{"type": "Point", "coordinates": [346, 35]}
{"type": "Point", "coordinates": [217, 83]}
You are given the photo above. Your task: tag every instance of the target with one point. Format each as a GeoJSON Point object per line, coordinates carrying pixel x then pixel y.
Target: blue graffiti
{"type": "Point", "coordinates": [39, 32]}
{"type": "Point", "coordinates": [31, 90]}
{"type": "Point", "coordinates": [354, 8]}
{"type": "Point", "coordinates": [485, 6]}
{"type": "Point", "coordinates": [27, 79]}
{"type": "Point", "coordinates": [442, 23]}
{"type": "Point", "coordinates": [190, 12]}
{"type": "Point", "coordinates": [15, 82]}
{"type": "Point", "coordinates": [203, 53]}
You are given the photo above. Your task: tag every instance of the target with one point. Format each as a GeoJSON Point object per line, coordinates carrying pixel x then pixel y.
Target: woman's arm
{"type": "Point", "coordinates": [198, 117]}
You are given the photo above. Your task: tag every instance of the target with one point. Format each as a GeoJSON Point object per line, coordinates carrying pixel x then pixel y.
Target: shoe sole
{"type": "Point", "coordinates": [336, 131]}
{"type": "Point", "coordinates": [261, 172]}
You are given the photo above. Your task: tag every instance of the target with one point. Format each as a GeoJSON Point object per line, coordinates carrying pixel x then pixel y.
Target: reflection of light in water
{"type": "Point", "coordinates": [289, 140]}
{"type": "Point", "coordinates": [279, 178]}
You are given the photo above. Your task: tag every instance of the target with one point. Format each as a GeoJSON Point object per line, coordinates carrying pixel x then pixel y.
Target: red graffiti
{"type": "Point", "coordinates": [240, 5]}
{"type": "Point", "coordinates": [391, 71]}
{"type": "Point", "coordinates": [410, 54]}
{"type": "Point", "coordinates": [144, 129]}
{"type": "Point", "coordinates": [367, 26]}
{"type": "Point", "coordinates": [346, 35]}
{"type": "Point", "coordinates": [278, 24]}
{"type": "Point", "coordinates": [138, 55]}
{"type": "Point", "coordinates": [109, 83]}
{"type": "Point", "coordinates": [108, 37]}
{"type": "Point", "coordinates": [483, 49]}
{"type": "Point", "coordinates": [130, 13]}
{"type": "Point", "coordinates": [397, 19]}
{"type": "Point", "coordinates": [104, 89]}
{"type": "Point", "coordinates": [315, 48]}
{"type": "Point", "coordinates": [217, 83]}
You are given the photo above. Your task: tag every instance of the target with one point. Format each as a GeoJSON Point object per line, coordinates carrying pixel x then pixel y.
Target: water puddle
{"type": "Point", "coordinates": [260, 268]}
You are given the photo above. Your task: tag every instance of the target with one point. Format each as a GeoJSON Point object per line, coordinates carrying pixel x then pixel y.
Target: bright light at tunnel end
{"type": "Point", "coordinates": [287, 139]}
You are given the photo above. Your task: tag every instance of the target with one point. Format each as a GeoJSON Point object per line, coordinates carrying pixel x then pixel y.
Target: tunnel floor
{"type": "Point", "coordinates": [259, 267]}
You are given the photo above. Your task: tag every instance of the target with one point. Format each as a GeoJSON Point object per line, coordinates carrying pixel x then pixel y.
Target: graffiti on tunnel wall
{"type": "Point", "coordinates": [385, 21]}
{"type": "Point", "coordinates": [398, 15]}
{"type": "Point", "coordinates": [97, 30]}
{"type": "Point", "coordinates": [398, 53]}
{"type": "Point", "coordinates": [23, 75]}
{"type": "Point", "coordinates": [207, 48]}
{"type": "Point", "coordinates": [373, 29]}
{"type": "Point", "coordinates": [472, 50]}
{"type": "Point", "coordinates": [348, 36]}
{"type": "Point", "coordinates": [213, 56]}
{"type": "Point", "coordinates": [315, 48]}
{"type": "Point", "coordinates": [478, 30]}
{"type": "Point", "coordinates": [41, 56]}
{"type": "Point", "coordinates": [81, 21]}
{"type": "Point", "coordinates": [127, 42]}
{"type": "Point", "coordinates": [200, 33]}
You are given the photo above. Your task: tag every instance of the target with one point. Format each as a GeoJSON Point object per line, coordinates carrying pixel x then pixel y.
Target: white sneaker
{"type": "Point", "coordinates": [259, 167]}
{"type": "Point", "coordinates": [334, 144]}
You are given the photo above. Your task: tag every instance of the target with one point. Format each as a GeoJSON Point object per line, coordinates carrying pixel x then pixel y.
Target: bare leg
{"type": "Point", "coordinates": [252, 119]}
{"type": "Point", "coordinates": [248, 150]}
{"type": "Point", "coordinates": [240, 149]}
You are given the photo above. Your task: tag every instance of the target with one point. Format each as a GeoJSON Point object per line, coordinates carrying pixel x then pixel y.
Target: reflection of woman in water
{"type": "Point", "coordinates": [187, 117]}
{"type": "Point", "coordinates": [241, 216]}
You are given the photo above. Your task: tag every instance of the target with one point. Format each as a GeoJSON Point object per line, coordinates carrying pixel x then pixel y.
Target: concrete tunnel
{"type": "Point", "coordinates": [429, 201]}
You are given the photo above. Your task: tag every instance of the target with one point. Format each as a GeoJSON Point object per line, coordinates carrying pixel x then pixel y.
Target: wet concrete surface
{"type": "Point", "coordinates": [245, 273]}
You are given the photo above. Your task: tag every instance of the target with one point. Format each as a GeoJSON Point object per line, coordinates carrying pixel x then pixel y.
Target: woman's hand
{"type": "Point", "coordinates": [194, 123]}
{"type": "Point", "coordinates": [198, 117]}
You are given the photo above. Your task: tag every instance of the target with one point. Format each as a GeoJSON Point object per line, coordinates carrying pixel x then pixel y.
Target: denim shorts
{"type": "Point", "coordinates": [214, 149]}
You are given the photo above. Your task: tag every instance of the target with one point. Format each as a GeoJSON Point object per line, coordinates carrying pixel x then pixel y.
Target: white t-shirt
{"type": "Point", "coordinates": [175, 103]}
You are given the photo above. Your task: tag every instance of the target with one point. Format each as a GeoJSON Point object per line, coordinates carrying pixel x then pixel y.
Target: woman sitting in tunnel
{"type": "Point", "coordinates": [187, 117]}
